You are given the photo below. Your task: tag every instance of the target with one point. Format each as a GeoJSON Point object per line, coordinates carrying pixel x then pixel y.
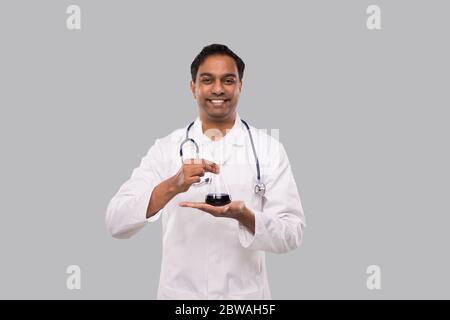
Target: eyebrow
{"type": "Point", "coordinates": [206, 74]}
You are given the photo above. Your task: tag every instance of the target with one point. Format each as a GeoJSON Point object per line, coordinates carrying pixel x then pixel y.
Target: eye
{"type": "Point", "coordinates": [229, 81]}
{"type": "Point", "coordinates": [206, 80]}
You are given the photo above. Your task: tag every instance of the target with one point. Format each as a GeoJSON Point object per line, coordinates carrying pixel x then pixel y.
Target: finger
{"type": "Point", "coordinates": [189, 161]}
{"type": "Point", "coordinates": [196, 205]}
{"type": "Point", "coordinates": [211, 166]}
{"type": "Point", "coordinates": [197, 171]}
{"type": "Point", "coordinates": [188, 204]}
{"type": "Point", "coordinates": [199, 205]}
{"type": "Point", "coordinates": [194, 179]}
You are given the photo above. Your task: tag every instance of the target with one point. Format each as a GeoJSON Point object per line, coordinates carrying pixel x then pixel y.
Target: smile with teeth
{"type": "Point", "coordinates": [217, 102]}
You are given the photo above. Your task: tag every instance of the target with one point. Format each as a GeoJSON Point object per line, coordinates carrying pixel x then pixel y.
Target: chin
{"type": "Point", "coordinates": [218, 113]}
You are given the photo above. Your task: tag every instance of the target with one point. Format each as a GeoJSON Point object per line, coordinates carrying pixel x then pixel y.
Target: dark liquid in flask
{"type": "Point", "coordinates": [218, 199]}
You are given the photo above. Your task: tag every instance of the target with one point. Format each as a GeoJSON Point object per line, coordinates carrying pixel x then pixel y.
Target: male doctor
{"type": "Point", "coordinates": [213, 252]}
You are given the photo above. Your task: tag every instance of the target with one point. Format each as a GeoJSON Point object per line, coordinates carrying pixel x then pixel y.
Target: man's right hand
{"type": "Point", "coordinates": [191, 171]}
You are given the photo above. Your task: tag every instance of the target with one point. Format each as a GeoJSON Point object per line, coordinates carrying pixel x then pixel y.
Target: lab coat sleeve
{"type": "Point", "coordinates": [126, 212]}
{"type": "Point", "coordinates": [280, 224]}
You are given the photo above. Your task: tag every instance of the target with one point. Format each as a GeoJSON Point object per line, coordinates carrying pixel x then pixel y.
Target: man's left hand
{"type": "Point", "coordinates": [234, 209]}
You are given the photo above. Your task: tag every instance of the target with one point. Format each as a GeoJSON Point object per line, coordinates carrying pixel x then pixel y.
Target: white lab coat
{"type": "Point", "coordinates": [206, 257]}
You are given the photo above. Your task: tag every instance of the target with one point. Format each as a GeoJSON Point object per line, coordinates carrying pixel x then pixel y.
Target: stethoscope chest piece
{"type": "Point", "coordinates": [260, 189]}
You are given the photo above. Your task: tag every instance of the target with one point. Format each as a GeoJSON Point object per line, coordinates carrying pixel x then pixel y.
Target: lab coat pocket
{"type": "Point", "coordinates": [247, 280]}
{"type": "Point", "coordinates": [166, 293]}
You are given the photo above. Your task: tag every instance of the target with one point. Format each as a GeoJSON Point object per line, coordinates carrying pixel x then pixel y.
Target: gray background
{"type": "Point", "coordinates": [363, 116]}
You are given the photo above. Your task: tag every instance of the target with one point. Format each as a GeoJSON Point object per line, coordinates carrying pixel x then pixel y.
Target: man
{"type": "Point", "coordinates": [213, 252]}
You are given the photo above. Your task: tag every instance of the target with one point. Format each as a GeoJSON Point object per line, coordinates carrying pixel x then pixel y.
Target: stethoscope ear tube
{"type": "Point", "coordinates": [260, 188]}
{"type": "Point", "coordinates": [258, 173]}
{"type": "Point", "coordinates": [197, 150]}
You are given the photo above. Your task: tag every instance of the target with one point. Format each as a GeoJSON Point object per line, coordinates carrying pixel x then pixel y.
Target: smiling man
{"type": "Point", "coordinates": [213, 251]}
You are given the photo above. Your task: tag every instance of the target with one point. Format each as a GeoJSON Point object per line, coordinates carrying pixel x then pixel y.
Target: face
{"type": "Point", "coordinates": [217, 87]}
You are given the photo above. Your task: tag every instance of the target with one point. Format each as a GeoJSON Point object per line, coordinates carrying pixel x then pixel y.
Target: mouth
{"type": "Point", "coordinates": [217, 102]}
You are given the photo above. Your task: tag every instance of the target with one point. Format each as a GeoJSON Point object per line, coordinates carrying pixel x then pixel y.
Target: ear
{"type": "Point", "coordinates": [192, 84]}
{"type": "Point", "coordinates": [240, 86]}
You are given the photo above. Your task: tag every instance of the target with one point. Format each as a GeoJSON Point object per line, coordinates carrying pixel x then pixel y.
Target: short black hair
{"type": "Point", "coordinates": [216, 49]}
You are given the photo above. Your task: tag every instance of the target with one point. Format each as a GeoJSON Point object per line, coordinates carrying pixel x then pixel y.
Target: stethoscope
{"type": "Point", "coordinates": [259, 188]}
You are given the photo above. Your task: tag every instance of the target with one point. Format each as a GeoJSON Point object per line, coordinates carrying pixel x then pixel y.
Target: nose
{"type": "Point", "coordinates": [217, 88]}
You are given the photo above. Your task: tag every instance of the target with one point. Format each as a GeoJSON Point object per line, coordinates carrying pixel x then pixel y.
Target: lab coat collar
{"type": "Point", "coordinates": [235, 136]}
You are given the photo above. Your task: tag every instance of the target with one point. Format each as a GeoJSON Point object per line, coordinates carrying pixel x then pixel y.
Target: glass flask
{"type": "Point", "coordinates": [218, 193]}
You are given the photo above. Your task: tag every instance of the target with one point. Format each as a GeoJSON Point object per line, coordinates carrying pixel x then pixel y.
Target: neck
{"type": "Point", "coordinates": [224, 125]}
